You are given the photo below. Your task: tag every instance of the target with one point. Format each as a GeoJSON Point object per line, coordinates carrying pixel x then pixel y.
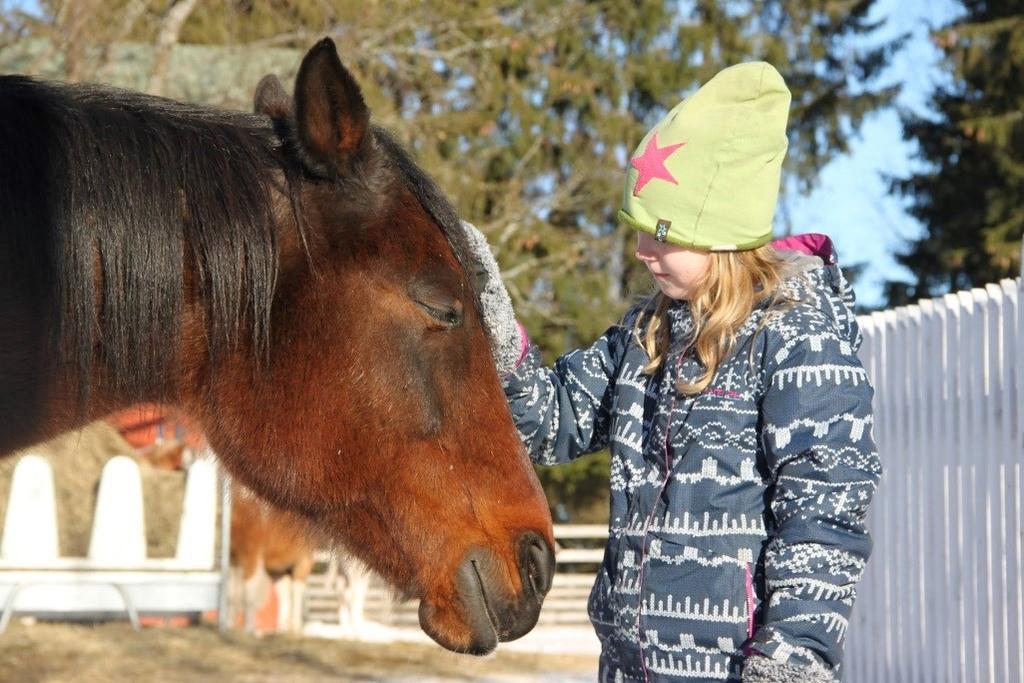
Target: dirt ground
{"type": "Point", "coordinates": [113, 652]}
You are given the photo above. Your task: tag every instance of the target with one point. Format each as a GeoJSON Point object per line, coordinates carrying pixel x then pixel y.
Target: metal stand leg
{"type": "Point", "coordinates": [5, 618]}
{"type": "Point", "coordinates": [129, 607]}
{"type": "Point", "coordinates": [223, 622]}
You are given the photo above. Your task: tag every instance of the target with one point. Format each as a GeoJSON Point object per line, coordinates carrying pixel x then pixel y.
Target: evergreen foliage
{"type": "Point", "coordinates": [526, 112]}
{"type": "Point", "coordinates": [970, 192]}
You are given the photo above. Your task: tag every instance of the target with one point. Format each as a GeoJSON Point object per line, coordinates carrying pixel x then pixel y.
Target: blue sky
{"type": "Point", "coordinates": [852, 201]}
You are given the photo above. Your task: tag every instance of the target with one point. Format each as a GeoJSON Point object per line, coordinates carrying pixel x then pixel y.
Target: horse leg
{"type": "Point", "coordinates": [255, 594]}
{"type": "Point", "coordinates": [236, 595]}
{"type": "Point", "coordinates": [300, 572]}
{"type": "Point", "coordinates": [360, 588]}
{"type": "Point", "coordinates": [298, 593]}
{"type": "Point", "coordinates": [343, 588]}
{"type": "Point", "coordinates": [352, 597]}
{"type": "Point", "coordinates": [285, 607]}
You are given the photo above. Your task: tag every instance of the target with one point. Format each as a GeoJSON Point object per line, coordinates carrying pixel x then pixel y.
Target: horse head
{"type": "Point", "coordinates": [295, 283]}
{"type": "Point", "coordinates": [379, 415]}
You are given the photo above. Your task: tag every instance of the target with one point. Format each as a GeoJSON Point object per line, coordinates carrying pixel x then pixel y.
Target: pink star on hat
{"type": "Point", "coordinates": [651, 164]}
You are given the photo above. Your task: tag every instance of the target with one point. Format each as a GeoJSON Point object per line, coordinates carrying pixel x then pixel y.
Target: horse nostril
{"type": "Point", "coordinates": [537, 562]}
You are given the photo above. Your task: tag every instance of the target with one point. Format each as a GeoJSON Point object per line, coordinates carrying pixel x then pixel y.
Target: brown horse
{"type": "Point", "coordinates": [267, 543]}
{"type": "Point", "coordinates": [328, 338]}
{"type": "Point", "coordinates": [164, 455]}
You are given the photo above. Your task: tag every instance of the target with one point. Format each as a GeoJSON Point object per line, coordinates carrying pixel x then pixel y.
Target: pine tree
{"type": "Point", "coordinates": [970, 195]}
{"type": "Point", "coordinates": [536, 120]}
{"type": "Point", "coordinates": [527, 111]}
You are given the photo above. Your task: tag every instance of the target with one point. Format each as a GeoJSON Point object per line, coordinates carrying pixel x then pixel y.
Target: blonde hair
{"type": "Point", "coordinates": [734, 284]}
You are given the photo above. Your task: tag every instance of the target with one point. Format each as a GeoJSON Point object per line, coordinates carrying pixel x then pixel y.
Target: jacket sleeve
{"type": "Point", "coordinates": [816, 435]}
{"type": "Point", "coordinates": [563, 412]}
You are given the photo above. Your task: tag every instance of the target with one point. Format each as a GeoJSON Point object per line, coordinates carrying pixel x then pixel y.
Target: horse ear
{"type": "Point", "coordinates": [271, 99]}
{"type": "Point", "coordinates": [331, 117]}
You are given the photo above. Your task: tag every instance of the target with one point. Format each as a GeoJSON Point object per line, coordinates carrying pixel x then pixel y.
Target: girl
{"type": "Point", "coordinates": [736, 410]}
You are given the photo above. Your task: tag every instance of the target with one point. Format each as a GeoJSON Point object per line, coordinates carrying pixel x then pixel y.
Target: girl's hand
{"type": "Point", "coordinates": [507, 339]}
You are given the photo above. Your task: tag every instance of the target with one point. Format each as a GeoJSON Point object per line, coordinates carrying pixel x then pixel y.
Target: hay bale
{"type": "Point", "coordinates": [77, 459]}
{"type": "Point", "coordinates": [163, 496]}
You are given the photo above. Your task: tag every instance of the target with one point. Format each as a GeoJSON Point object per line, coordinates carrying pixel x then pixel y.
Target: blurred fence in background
{"type": "Point", "coordinates": [942, 596]}
{"type": "Point", "coordinates": [580, 549]}
{"type": "Point", "coordinates": [117, 575]}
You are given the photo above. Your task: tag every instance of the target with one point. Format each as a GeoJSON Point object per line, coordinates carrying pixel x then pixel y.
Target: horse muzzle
{"type": "Point", "coordinates": [492, 612]}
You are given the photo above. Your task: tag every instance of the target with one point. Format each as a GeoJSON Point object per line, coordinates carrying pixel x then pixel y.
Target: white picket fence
{"type": "Point", "coordinates": [116, 576]}
{"type": "Point", "coordinates": [942, 598]}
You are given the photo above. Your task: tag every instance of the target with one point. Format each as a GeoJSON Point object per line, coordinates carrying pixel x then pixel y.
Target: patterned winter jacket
{"type": "Point", "coordinates": [737, 516]}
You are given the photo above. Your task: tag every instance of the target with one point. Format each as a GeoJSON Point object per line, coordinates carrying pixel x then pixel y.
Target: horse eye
{"type": "Point", "coordinates": [448, 315]}
{"type": "Point", "coordinates": [437, 302]}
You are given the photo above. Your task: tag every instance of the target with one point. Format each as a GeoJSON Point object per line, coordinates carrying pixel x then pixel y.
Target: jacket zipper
{"type": "Point", "coordinates": [650, 516]}
{"type": "Point", "coordinates": [749, 576]}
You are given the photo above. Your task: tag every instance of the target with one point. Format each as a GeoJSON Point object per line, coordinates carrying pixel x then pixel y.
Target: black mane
{"type": "Point", "coordinates": [100, 181]}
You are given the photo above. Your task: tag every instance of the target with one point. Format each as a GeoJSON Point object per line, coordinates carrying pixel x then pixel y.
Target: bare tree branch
{"type": "Point", "coordinates": [300, 37]}
{"type": "Point", "coordinates": [130, 16]}
{"type": "Point", "coordinates": [73, 22]}
{"type": "Point", "coordinates": [12, 26]}
{"type": "Point", "coordinates": [55, 42]}
{"type": "Point", "coordinates": [170, 30]}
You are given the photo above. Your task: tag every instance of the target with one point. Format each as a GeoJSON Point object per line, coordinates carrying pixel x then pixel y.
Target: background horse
{"type": "Point", "coordinates": [165, 455]}
{"type": "Point", "coordinates": [327, 336]}
{"type": "Point", "coordinates": [268, 545]}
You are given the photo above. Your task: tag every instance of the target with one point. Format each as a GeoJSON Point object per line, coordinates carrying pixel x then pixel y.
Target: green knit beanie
{"type": "Point", "coordinates": [707, 175]}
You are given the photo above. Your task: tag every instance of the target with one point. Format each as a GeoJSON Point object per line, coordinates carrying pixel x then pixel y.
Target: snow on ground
{"type": "Point", "coordinates": [548, 640]}
{"type": "Point", "coordinates": [114, 653]}
{"type": "Point", "coordinates": [577, 640]}
{"type": "Point", "coordinates": [557, 677]}
{"type": "Point", "coordinates": [561, 640]}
